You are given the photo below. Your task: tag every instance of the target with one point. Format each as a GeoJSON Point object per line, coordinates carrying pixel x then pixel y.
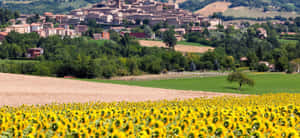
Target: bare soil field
{"type": "Point", "coordinates": [180, 48]}
{"type": "Point", "coordinates": [214, 7]}
{"type": "Point", "coordinates": [23, 89]}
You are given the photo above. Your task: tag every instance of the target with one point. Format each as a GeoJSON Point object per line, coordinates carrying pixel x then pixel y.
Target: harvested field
{"type": "Point", "coordinates": [214, 7]}
{"type": "Point", "coordinates": [24, 89]}
{"type": "Point", "coordinates": [179, 47]}
{"type": "Point", "coordinates": [256, 12]}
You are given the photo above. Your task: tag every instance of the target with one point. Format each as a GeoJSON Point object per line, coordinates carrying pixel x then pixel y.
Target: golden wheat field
{"type": "Point", "coordinates": [272, 115]}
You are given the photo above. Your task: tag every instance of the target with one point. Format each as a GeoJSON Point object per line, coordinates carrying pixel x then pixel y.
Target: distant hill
{"type": "Point", "coordinates": [214, 7]}
{"type": "Point", "coordinates": [41, 6]}
{"type": "Point", "coordinates": [206, 7]}
{"type": "Point", "coordinates": [243, 11]}
{"type": "Point", "coordinates": [265, 5]}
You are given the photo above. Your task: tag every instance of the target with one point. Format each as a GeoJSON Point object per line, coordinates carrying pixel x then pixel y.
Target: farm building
{"type": "Point", "coordinates": [34, 52]}
{"type": "Point", "coordinates": [101, 36]}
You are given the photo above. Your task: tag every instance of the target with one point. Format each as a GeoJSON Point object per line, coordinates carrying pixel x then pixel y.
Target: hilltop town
{"type": "Point", "coordinates": [118, 12]}
{"type": "Point", "coordinates": [115, 14]}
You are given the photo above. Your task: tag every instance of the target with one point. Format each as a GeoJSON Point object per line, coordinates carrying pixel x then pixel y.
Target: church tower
{"type": "Point", "coordinates": [119, 3]}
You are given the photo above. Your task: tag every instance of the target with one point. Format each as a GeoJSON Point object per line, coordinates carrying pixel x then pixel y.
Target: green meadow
{"type": "Point", "coordinates": [264, 83]}
{"type": "Point", "coordinates": [99, 42]}
{"type": "Point", "coordinates": [190, 43]}
{"type": "Point", "coordinates": [2, 61]}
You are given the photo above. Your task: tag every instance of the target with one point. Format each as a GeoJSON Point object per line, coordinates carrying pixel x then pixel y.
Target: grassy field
{"type": "Point", "coordinates": [284, 41]}
{"type": "Point", "coordinates": [17, 61]}
{"type": "Point", "coordinates": [265, 83]}
{"type": "Point", "coordinates": [190, 43]}
{"type": "Point", "coordinates": [100, 42]}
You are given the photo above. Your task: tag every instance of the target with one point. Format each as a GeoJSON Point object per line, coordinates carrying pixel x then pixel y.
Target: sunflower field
{"type": "Point", "coordinates": [272, 115]}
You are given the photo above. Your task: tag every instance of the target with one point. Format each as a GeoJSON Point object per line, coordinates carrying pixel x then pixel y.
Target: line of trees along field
{"type": "Point", "coordinates": [123, 55]}
{"type": "Point", "coordinates": [250, 43]}
{"type": "Point", "coordinates": [85, 59]}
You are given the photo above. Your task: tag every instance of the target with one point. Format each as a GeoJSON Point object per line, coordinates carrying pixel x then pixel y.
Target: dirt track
{"type": "Point", "coordinates": [23, 89]}
{"type": "Point", "coordinates": [180, 48]}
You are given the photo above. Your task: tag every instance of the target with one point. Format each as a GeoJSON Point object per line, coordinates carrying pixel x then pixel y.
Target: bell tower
{"type": "Point", "coordinates": [119, 4]}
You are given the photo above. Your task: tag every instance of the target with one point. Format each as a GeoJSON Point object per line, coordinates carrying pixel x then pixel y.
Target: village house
{"type": "Point", "coordinates": [117, 28]}
{"type": "Point", "coordinates": [21, 20]}
{"type": "Point", "coordinates": [49, 15]}
{"type": "Point", "coordinates": [196, 29]}
{"type": "Point", "coordinates": [20, 28]}
{"type": "Point", "coordinates": [102, 36]}
{"type": "Point", "coordinates": [34, 52]}
{"type": "Point", "coordinates": [3, 35]}
{"type": "Point", "coordinates": [262, 33]}
{"type": "Point", "coordinates": [180, 31]}
{"type": "Point", "coordinates": [47, 25]}
{"type": "Point", "coordinates": [81, 28]}
{"type": "Point", "coordinates": [36, 27]}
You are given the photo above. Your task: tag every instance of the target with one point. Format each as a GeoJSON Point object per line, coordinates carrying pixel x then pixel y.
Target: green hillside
{"type": "Point", "coordinates": [63, 6]}
{"type": "Point", "coordinates": [267, 5]}
{"type": "Point", "coordinates": [41, 6]}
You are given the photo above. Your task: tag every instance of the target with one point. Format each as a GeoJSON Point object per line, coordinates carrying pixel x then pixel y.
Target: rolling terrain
{"type": "Point", "coordinates": [214, 7]}
{"type": "Point", "coordinates": [264, 83]}
{"type": "Point", "coordinates": [206, 7]}
{"type": "Point", "coordinates": [242, 11]}
{"type": "Point", "coordinates": [24, 89]}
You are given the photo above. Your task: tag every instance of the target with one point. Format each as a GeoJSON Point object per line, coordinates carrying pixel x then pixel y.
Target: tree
{"type": "Point", "coordinates": [146, 21]}
{"type": "Point", "coordinates": [282, 64]}
{"type": "Point", "coordinates": [260, 67]}
{"type": "Point", "coordinates": [148, 31]}
{"type": "Point", "coordinates": [252, 60]}
{"type": "Point", "coordinates": [296, 62]}
{"type": "Point", "coordinates": [170, 39]}
{"type": "Point", "coordinates": [125, 40]}
{"type": "Point", "coordinates": [241, 79]}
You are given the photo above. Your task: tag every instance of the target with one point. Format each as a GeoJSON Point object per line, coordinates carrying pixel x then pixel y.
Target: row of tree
{"type": "Point", "coordinates": [6, 15]}
{"type": "Point", "coordinates": [83, 58]}
{"type": "Point", "coordinates": [251, 43]}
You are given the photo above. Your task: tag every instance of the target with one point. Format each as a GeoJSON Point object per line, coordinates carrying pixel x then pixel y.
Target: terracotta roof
{"type": "Point", "coordinates": [243, 59]}
{"type": "Point", "coordinates": [34, 24]}
{"type": "Point", "coordinates": [20, 25]}
{"type": "Point", "coordinates": [60, 28]}
{"type": "Point", "coordinates": [48, 14]}
{"type": "Point", "coordinates": [3, 33]}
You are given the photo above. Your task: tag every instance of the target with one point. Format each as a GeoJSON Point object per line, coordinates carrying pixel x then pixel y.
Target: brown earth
{"type": "Point", "coordinates": [214, 7]}
{"type": "Point", "coordinates": [23, 89]}
{"type": "Point", "coordinates": [180, 48]}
